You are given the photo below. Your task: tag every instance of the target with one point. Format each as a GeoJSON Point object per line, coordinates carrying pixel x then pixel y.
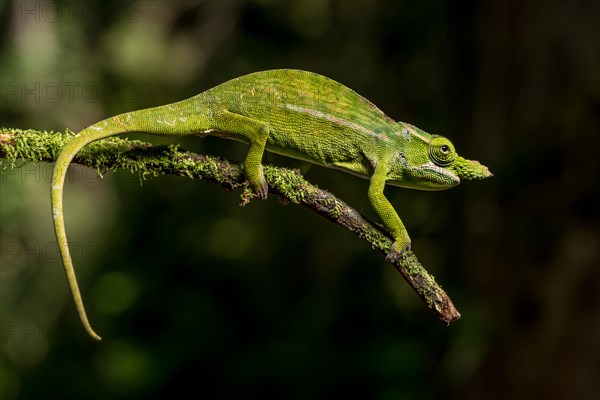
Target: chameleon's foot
{"type": "Point", "coordinates": [398, 248]}
{"type": "Point", "coordinates": [262, 191]}
{"type": "Point", "coordinates": [259, 185]}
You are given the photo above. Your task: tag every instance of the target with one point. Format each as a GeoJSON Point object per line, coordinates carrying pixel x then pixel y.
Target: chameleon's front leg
{"type": "Point", "coordinates": [256, 133]}
{"type": "Point", "coordinates": [388, 214]}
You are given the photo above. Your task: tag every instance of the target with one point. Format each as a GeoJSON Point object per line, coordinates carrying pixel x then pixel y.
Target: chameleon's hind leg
{"type": "Point", "coordinates": [254, 132]}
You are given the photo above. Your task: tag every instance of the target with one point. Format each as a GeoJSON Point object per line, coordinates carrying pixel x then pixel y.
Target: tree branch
{"type": "Point", "coordinates": [148, 160]}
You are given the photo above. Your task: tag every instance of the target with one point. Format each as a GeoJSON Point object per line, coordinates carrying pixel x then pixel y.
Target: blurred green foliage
{"type": "Point", "coordinates": [192, 292]}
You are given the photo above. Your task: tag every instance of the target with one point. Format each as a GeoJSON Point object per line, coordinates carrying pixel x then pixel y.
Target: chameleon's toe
{"type": "Point", "coordinates": [397, 250]}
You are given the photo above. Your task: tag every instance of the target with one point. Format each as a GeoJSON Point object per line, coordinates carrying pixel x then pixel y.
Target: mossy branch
{"type": "Point", "coordinates": [148, 160]}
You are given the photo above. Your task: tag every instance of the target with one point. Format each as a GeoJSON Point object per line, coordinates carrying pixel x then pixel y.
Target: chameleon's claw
{"type": "Point", "coordinates": [258, 184]}
{"type": "Point", "coordinates": [397, 250]}
{"type": "Point", "coordinates": [262, 189]}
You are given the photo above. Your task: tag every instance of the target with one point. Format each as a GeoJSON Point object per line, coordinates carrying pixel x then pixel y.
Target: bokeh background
{"type": "Point", "coordinates": [191, 291]}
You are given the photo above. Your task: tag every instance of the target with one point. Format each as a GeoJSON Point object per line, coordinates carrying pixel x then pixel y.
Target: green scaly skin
{"type": "Point", "coordinates": [298, 114]}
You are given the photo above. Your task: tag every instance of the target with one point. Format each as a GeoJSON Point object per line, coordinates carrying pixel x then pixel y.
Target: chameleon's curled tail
{"type": "Point", "coordinates": [103, 129]}
{"type": "Point", "coordinates": [67, 154]}
{"type": "Point", "coordinates": [175, 119]}
{"type": "Point", "coordinates": [154, 121]}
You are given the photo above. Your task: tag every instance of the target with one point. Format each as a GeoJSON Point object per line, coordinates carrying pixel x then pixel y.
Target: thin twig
{"type": "Point", "coordinates": [149, 160]}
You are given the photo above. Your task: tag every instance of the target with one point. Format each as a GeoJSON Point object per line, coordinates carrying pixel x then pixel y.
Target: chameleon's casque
{"type": "Point", "coordinates": [295, 113]}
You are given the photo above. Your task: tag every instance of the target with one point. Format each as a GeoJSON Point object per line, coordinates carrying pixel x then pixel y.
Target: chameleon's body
{"type": "Point", "coordinates": [299, 114]}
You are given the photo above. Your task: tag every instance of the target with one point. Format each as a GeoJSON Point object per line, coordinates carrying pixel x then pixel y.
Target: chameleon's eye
{"type": "Point", "coordinates": [441, 151]}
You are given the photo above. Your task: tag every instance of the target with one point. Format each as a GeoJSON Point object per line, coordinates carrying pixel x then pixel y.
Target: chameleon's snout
{"type": "Point", "coordinates": [470, 169]}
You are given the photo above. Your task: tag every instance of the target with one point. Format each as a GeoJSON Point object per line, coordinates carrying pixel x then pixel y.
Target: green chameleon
{"type": "Point", "coordinates": [298, 114]}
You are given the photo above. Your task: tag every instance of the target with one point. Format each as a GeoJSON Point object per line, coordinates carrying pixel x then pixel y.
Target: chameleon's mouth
{"type": "Point", "coordinates": [427, 176]}
{"type": "Point", "coordinates": [443, 175]}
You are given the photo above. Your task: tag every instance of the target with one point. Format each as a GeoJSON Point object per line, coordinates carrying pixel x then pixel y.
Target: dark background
{"type": "Point", "coordinates": [192, 292]}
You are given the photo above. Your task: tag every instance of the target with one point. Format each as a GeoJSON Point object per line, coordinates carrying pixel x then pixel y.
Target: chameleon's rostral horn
{"type": "Point", "coordinates": [470, 169]}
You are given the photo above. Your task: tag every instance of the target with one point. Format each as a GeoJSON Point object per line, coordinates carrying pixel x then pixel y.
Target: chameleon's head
{"type": "Point", "coordinates": [430, 162]}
